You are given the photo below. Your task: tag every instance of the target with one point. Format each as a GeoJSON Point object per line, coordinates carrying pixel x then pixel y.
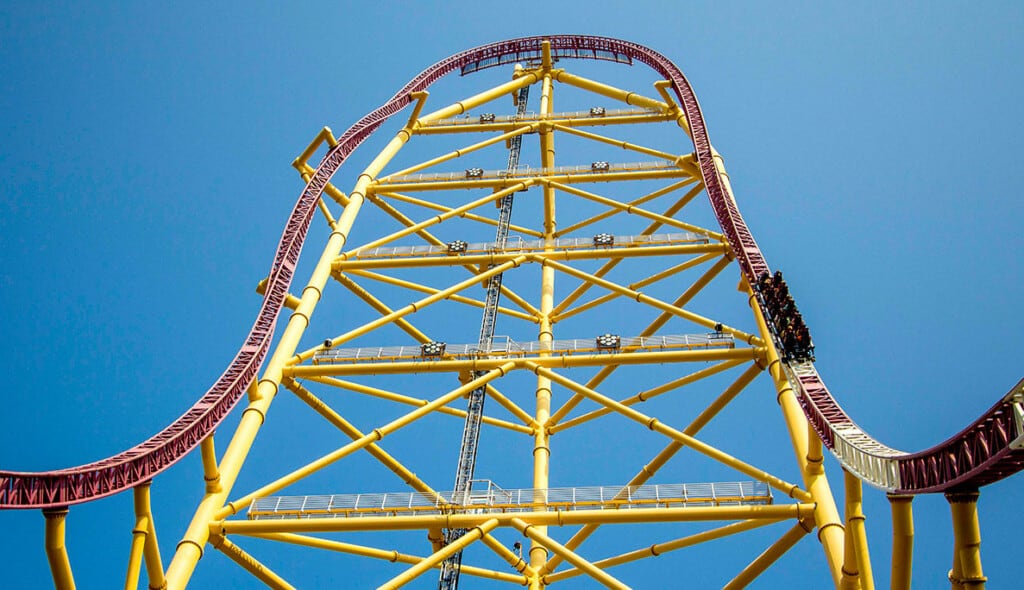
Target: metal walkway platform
{"type": "Point", "coordinates": [490, 498]}
{"type": "Point", "coordinates": [517, 244]}
{"type": "Point", "coordinates": [505, 347]}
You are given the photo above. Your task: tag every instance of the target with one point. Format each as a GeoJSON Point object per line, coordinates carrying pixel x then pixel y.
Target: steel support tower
{"type": "Point", "coordinates": [629, 323]}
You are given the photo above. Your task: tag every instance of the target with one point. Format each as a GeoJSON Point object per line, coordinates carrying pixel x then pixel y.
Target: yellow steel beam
{"type": "Point", "coordinates": [562, 119]}
{"type": "Point", "coordinates": [392, 556]}
{"type": "Point", "coordinates": [647, 299]}
{"type": "Point", "coordinates": [520, 129]}
{"type": "Point", "coordinates": [211, 475]}
{"type": "Point", "coordinates": [249, 563]}
{"type": "Point", "coordinates": [659, 549]}
{"type": "Point", "coordinates": [631, 210]}
{"type": "Point", "coordinates": [484, 364]}
{"type": "Point", "coordinates": [490, 258]}
{"type": "Point", "coordinates": [490, 198]}
{"type": "Point", "coordinates": [516, 561]}
{"type": "Point", "coordinates": [325, 135]}
{"type": "Point", "coordinates": [513, 182]}
{"type": "Point", "coordinates": [471, 216]}
{"type": "Point", "coordinates": [439, 556]}
{"type": "Point", "coordinates": [831, 532]}
{"type": "Point", "coordinates": [770, 556]}
{"type": "Point", "coordinates": [322, 206]}
{"type": "Point", "coordinates": [411, 308]}
{"type": "Point", "coordinates": [681, 159]}
{"type": "Point", "coordinates": [638, 201]}
{"type": "Point", "coordinates": [856, 535]}
{"type": "Point", "coordinates": [651, 468]}
{"type": "Point", "coordinates": [354, 433]}
{"type": "Point", "coordinates": [966, 572]}
{"type": "Point", "coordinates": [724, 262]}
{"type": "Point", "coordinates": [611, 264]}
{"type": "Point", "coordinates": [772, 512]}
{"type": "Point", "coordinates": [190, 549]}
{"type": "Point", "coordinates": [56, 550]}
{"type": "Point", "coordinates": [653, 392]}
{"type": "Point", "coordinates": [790, 489]}
{"type": "Point", "coordinates": [379, 306]}
{"type": "Point", "coordinates": [364, 441]}
{"type": "Point", "coordinates": [662, 87]}
{"type": "Point", "coordinates": [415, 401]}
{"type": "Point", "coordinates": [538, 554]}
{"type": "Point", "coordinates": [512, 407]}
{"type": "Point", "coordinates": [476, 100]}
{"type": "Point", "coordinates": [902, 541]}
{"type": "Point", "coordinates": [412, 286]}
{"type": "Point", "coordinates": [151, 548]}
{"type": "Point", "coordinates": [139, 533]}
{"type": "Point", "coordinates": [611, 92]}
{"type": "Point", "coordinates": [541, 539]}
{"type": "Point", "coordinates": [290, 301]}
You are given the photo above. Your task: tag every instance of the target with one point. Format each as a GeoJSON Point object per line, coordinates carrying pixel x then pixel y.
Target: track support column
{"type": "Point", "coordinates": [56, 551]}
{"type": "Point", "coordinates": [902, 541]}
{"type": "Point", "coordinates": [966, 573]}
{"type": "Point", "coordinates": [542, 438]}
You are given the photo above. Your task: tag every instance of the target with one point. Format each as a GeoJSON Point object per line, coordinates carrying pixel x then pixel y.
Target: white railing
{"type": "Point", "coordinates": [527, 172]}
{"type": "Point", "coordinates": [496, 499]}
{"type": "Point", "coordinates": [474, 119]}
{"type": "Point", "coordinates": [518, 244]}
{"type": "Point", "coordinates": [503, 346]}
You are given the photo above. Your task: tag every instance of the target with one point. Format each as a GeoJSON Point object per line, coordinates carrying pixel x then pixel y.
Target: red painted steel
{"type": "Point", "coordinates": [978, 455]}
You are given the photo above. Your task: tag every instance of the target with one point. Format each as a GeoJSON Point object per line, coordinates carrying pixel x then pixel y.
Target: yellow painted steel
{"type": "Point", "coordinates": [610, 91]}
{"type": "Point", "coordinates": [139, 533]}
{"type": "Point", "coordinates": [546, 517]}
{"type": "Point", "coordinates": [550, 254]}
{"type": "Point", "coordinates": [392, 556]}
{"type": "Point", "coordinates": [638, 201]}
{"type": "Point", "coordinates": [902, 541]}
{"type": "Point", "coordinates": [471, 216]}
{"type": "Point", "coordinates": [364, 441]}
{"type": "Point", "coordinates": [662, 548]}
{"type": "Point", "coordinates": [144, 534]}
{"type": "Point", "coordinates": [511, 183]}
{"type": "Point", "coordinates": [439, 556]}
{"type": "Point", "coordinates": [562, 361]}
{"type": "Point", "coordinates": [664, 220]}
{"type": "Point", "coordinates": [856, 534]}
{"type": "Point", "coordinates": [791, 490]}
{"type": "Point", "coordinates": [653, 392]}
{"type": "Point", "coordinates": [290, 301]}
{"type": "Point", "coordinates": [831, 532]}
{"type": "Point", "coordinates": [770, 556]}
{"type": "Point", "coordinates": [213, 520]}
{"type": "Point", "coordinates": [249, 563]}
{"type": "Point", "coordinates": [540, 539]}
{"type": "Point", "coordinates": [966, 573]}
{"type": "Point", "coordinates": [354, 433]}
{"type": "Point", "coordinates": [412, 401]}
{"type": "Point", "coordinates": [56, 550]}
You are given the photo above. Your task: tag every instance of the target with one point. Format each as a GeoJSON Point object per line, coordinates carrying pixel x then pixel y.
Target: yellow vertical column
{"type": "Point", "coordinates": [966, 573]}
{"type": "Point", "coordinates": [902, 541]}
{"type": "Point", "coordinates": [56, 551]}
{"type": "Point", "coordinates": [190, 549]}
{"type": "Point", "coordinates": [541, 446]}
{"type": "Point", "coordinates": [831, 532]}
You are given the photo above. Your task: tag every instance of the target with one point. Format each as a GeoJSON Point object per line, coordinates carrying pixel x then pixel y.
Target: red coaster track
{"type": "Point", "coordinates": [987, 450]}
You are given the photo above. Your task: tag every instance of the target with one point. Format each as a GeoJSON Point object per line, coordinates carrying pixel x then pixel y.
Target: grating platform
{"type": "Point", "coordinates": [505, 347]}
{"type": "Point", "coordinates": [495, 499]}
{"type": "Point", "coordinates": [528, 172]}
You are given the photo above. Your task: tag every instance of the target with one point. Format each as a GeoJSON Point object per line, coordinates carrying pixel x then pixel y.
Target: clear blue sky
{"type": "Point", "coordinates": [874, 152]}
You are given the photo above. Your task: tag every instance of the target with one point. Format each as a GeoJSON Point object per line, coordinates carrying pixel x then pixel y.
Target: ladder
{"type": "Point", "coordinates": [449, 579]}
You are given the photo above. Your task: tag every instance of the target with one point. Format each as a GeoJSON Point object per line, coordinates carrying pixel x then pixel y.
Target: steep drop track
{"type": "Point", "coordinates": [986, 451]}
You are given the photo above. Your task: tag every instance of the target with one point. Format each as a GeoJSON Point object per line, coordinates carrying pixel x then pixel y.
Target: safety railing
{"type": "Point", "coordinates": [517, 244]}
{"type": "Point", "coordinates": [530, 116]}
{"type": "Point", "coordinates": [528, 172]}
{"type": "Point", "coordinates": [514, 500]}
{"type": "Point", "coordinates": [503, 346]}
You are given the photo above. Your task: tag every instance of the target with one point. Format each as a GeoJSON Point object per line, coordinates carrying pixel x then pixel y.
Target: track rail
{"type": "Point", "coordinates": [987, 450]}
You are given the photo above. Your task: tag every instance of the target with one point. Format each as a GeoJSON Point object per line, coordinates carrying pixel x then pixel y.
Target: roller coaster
{"type": "Point", "coordinates": [478, 512]}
